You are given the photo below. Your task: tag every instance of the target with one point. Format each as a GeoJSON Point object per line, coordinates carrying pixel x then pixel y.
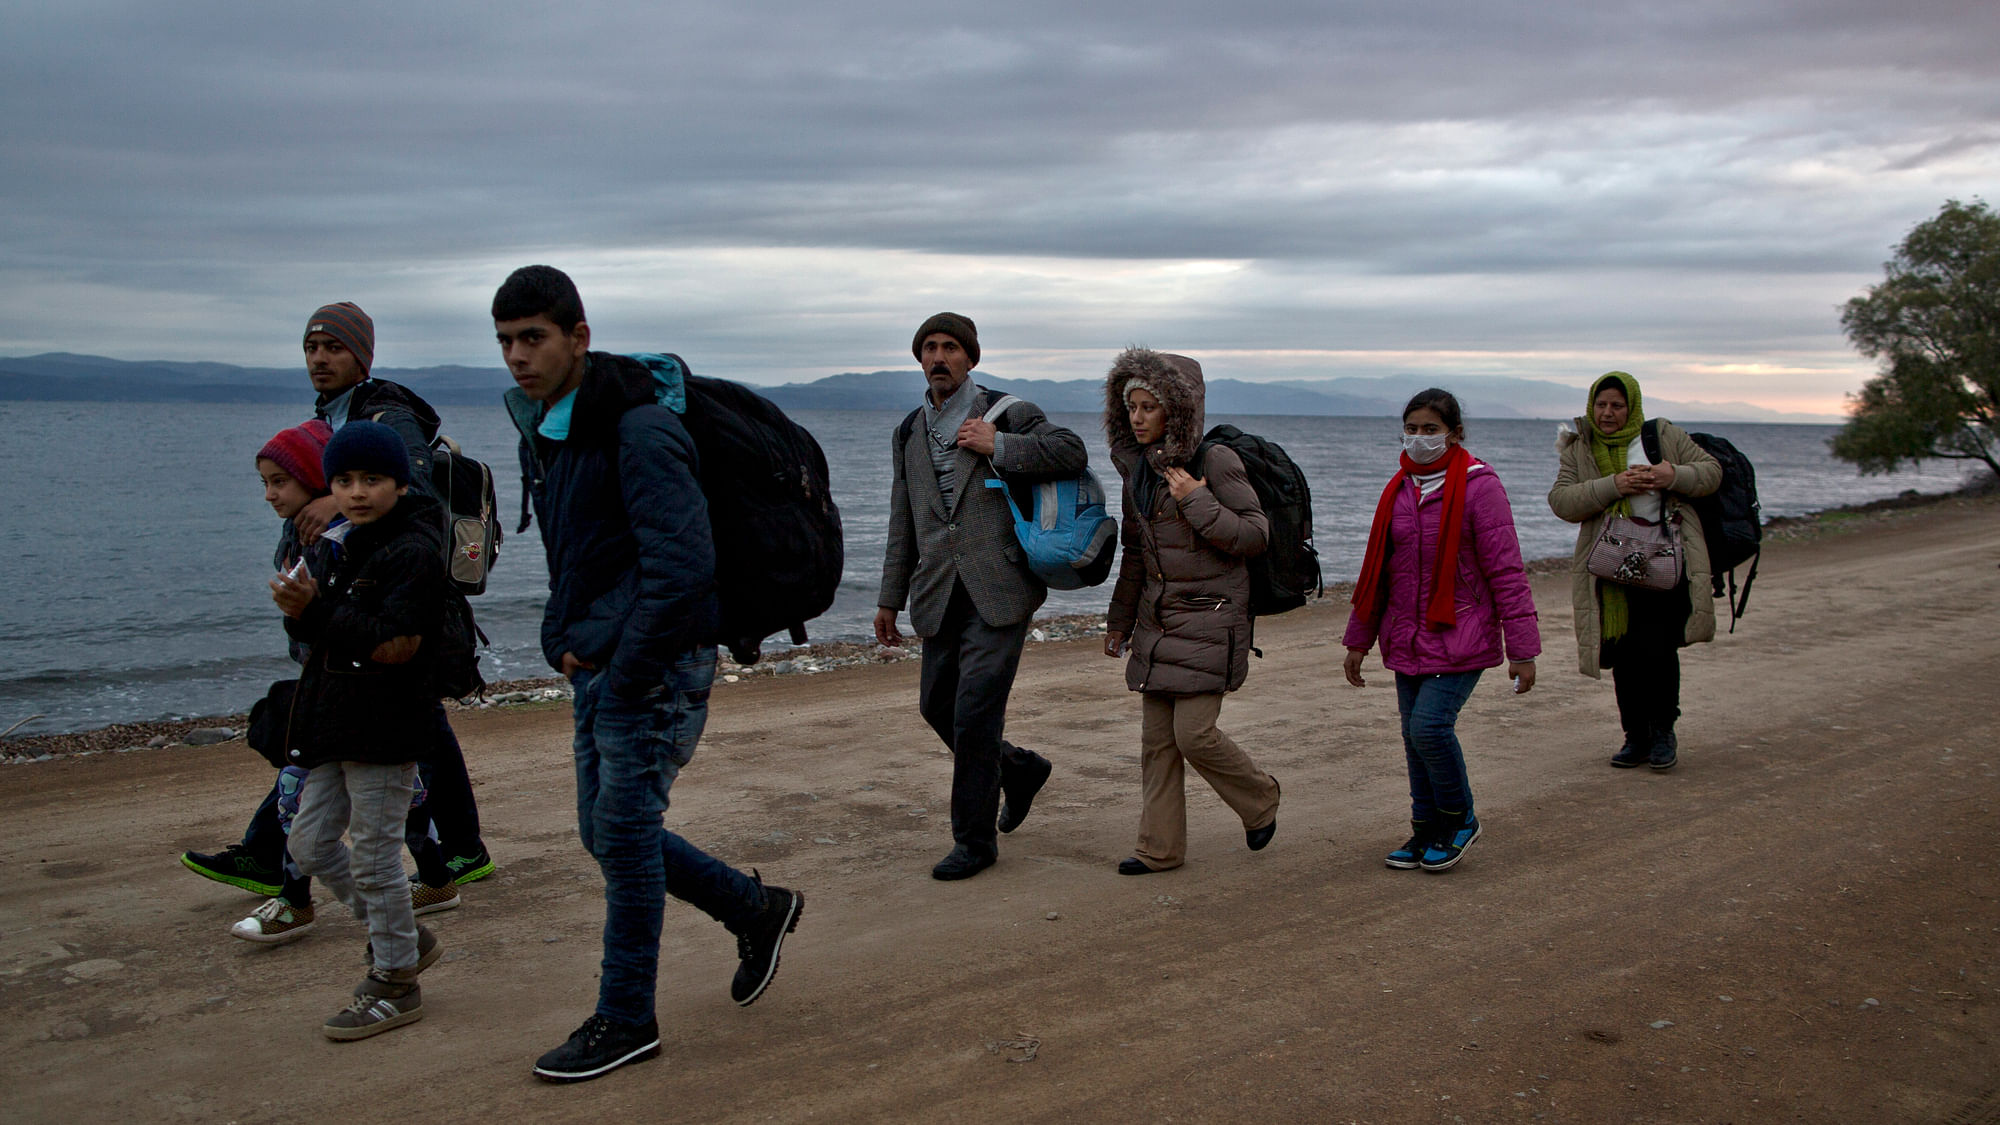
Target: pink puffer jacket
{"type": "Point", "coordinates": [1492, 595]}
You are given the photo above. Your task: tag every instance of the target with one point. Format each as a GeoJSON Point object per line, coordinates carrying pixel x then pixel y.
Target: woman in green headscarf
{"type": "Point", "coordinates": [1635, 632]}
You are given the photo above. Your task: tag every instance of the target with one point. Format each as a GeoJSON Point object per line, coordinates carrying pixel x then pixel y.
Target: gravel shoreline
{"type": "Point", "coordinates": [162, 734]}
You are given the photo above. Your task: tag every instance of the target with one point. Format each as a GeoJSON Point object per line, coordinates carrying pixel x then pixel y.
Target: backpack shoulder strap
{"type": "Point", "coordinates": [1199, 458]}
{"type": "Point", "coordinates": [999, 407]}
{"type": "Point", "coordinates": [908, 427]}
{"type": "Point", "coordinates": [1649, 438]}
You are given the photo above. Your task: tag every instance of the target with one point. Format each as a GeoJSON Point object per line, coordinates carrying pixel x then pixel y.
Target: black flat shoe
{"type": "Point", "coordinates": [961, 864]}
{"type": "Point", "coordinates": [1259, 838]}
{"type": "Point", "coordinates": [1133, 866]}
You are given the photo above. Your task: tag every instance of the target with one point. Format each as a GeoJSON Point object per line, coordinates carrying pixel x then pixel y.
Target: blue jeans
{"type": "Point", "coordinates": [1430, 706]}
{"type": "Point", "coordinates": [628, 753]}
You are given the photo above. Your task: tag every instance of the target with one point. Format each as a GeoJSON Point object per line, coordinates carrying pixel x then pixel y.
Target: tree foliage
{"type": "Point", "coordinates": [1934, 322]}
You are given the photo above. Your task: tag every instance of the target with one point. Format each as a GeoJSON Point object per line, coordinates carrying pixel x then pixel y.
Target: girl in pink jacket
{"type": "Point", "coordinates": [1441, 625]}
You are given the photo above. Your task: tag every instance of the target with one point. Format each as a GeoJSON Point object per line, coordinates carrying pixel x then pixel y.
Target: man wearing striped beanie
{"type": "Point", "coordinates": [340, 351]}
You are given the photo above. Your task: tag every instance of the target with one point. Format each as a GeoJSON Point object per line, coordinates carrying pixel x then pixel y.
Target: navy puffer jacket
{"type": "Point", "coordinates": [625, 527]}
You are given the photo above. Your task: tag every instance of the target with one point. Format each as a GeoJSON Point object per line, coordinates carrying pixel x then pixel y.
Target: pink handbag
{"type": "Point", "coordinates": [1636, 552]}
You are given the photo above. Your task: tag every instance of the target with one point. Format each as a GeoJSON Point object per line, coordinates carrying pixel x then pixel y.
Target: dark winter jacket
{"type": "Point", "coordinates": [319, 564]}
{"type": "Point", "coordinates": [625, 527]}
{"type": "Point", "coordinates": [387, 581]}
{"type": "Point", "coordinates": [1183, 593]}
{"type": "Point", "coordinates": [402, 410]}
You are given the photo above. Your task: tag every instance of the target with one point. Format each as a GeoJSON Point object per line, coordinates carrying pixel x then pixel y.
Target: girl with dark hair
{"type": "Point", "coordinates": [1443, 590]}
{"type": "Point", "coordinates": [1635, 632]}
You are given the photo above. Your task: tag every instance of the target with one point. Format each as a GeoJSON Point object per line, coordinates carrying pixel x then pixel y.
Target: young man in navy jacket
{"type": "Point", "coordinates": [631, 621]}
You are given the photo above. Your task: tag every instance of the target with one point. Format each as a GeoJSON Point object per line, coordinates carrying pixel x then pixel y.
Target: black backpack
{"type": "Point", "coordinates": [778, 548]}
{"type": "Point", "coordinates": [1731, 518]}
{"type": "Point", "coordinates": [1288, 571]}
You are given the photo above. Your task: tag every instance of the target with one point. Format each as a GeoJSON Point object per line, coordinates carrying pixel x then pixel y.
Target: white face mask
{"type": "Point", "coordinates": [1425, 448]}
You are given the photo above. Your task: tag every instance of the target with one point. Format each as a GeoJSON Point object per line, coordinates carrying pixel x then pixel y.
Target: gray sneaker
{"type": "Point", "coordinates": [383, 1000]}
{"type": "Point", "coordinates": [428, 950]}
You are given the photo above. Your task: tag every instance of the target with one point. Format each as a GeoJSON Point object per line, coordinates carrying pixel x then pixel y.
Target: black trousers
{"type": "Point", "coordinates": [1645, 663]}
{"type": "Point", "coordinates": [451, 804]}
{"type": "Point", "coordinates": [968, 671]}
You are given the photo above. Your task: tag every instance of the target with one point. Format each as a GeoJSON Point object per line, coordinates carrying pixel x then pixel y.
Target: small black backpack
{"type": "Point", "coordinates": [464, 487]}
{"type": "Point", "coordinates": [1732, 521]}
{"type": "Point", "coordinates": [1288, 571]}
{"type": "Point", "coordinates": [471, 513]}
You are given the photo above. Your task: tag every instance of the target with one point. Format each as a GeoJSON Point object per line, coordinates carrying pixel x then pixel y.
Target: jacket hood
{"type": "Point", "coordinates": [373, 396]}
{"type": "Point", "coordinates": [1176, 380]}
{"type": "Point", "coordinates": [612, 384]}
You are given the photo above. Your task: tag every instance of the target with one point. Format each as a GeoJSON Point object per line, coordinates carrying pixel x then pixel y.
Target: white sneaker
{"type": "Point", "coordinates": [275, 923]}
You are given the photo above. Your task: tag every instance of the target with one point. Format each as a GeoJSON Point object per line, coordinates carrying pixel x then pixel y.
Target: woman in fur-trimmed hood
{"type": "Point", "coordinates": [1180, 613]}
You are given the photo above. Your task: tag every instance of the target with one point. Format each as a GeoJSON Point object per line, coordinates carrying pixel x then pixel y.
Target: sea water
{"type": "Point", "coordinates": [135, 545]}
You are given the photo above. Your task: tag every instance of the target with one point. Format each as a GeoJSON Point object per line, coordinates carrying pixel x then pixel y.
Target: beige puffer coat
{"type": "Point", "coordinates": [1183, 592]}
{"type": "Point", "coordinates": [1580, 496]}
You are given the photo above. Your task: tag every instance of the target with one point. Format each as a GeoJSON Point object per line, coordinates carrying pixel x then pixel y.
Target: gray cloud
{"type": "Point", "coordinates": [1508, 178]}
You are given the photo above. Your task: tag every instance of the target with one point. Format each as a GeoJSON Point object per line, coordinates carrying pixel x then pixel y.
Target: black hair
{"type": "Point", "coordinates": [1442, 401]}
{"type": "Point", "coordinates": [539, 291]}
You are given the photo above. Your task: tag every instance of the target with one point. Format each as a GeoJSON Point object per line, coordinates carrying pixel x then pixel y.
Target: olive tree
{"type": "Point", "coordinates": [1934, 323]}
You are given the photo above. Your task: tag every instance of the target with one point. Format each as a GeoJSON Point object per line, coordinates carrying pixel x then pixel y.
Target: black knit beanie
{"type": "Point", "coordinates": [367, 447]}
{"type": "Point", "coordinates": [953, 325]}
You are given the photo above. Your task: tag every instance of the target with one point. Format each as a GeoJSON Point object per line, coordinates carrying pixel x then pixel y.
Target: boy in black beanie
{"type": "Point", "coordinates": [362, 715]}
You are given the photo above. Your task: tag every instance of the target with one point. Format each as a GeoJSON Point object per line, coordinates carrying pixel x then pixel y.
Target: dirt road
{"type": "Point", "coordinates": [1797, 924]}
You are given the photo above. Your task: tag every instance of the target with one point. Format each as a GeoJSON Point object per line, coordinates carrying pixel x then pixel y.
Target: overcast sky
{"type": "Point", "coordinates": [783, 190]}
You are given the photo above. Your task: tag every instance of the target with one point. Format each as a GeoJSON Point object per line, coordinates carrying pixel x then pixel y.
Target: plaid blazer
{"type": "Point", "coordinates": [931, 547]}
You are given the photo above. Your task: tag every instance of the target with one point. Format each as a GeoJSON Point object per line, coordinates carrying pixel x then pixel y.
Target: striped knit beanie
{"type": "Point", "coordinates": [344, 321]}
{"type": "Point", "coordinates": [298, 452]}
{"type": "Point", "coordinates": [957, 327]}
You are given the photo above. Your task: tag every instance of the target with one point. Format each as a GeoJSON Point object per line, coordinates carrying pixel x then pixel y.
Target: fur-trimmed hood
{"type": "Point", "coordinates": [1176, 381]}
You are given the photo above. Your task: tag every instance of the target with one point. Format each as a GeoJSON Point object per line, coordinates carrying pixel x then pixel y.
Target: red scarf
{"type": "Point", "coordinates": [1368, 592]}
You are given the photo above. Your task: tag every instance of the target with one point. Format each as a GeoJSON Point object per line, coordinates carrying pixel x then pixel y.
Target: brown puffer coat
{"type": "Point", "coordinates": [1183, 593]}
{"type": "Point", "coordinates": [1582, 493]}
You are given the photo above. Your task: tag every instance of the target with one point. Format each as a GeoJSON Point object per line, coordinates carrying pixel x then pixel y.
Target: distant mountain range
{"type": "Point", "coordinates": [65, 377]}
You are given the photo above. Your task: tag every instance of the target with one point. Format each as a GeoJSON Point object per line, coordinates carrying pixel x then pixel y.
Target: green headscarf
{"type": "Point", "coordinates": [1609, 451]}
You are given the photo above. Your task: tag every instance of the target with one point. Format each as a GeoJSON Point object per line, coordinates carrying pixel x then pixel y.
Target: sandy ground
{"type": "Point", "coordinates": [1797, 924]}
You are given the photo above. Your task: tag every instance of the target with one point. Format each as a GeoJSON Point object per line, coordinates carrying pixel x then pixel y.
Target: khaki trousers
{"type": "Point", "coordinates": [1177, 729]}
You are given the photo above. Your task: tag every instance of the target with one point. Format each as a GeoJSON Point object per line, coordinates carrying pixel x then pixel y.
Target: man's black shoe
{"type": "Point", "coordinates": [597, 1048]}
{"type": "Point", "coordinates": [1133, 865]}
{"type": "Point", "coordinates": [961, 864]}
{"type": "Point", "coordinates": [757, 947]}
{"type": "Point", "coordinates": [1021, 795]}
